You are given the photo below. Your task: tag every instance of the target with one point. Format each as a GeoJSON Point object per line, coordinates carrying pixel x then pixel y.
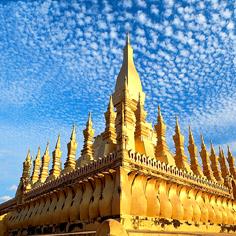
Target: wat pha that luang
{"type": "Point", "coordinates": [125, 181]}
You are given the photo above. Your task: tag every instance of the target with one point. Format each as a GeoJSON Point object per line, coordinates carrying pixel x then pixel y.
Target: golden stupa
{"type": "Point", "coordinates": [126, 181]}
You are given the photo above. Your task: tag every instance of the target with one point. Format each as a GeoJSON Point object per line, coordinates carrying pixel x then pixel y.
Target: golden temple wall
{"type": "Point", "coordinates": [141, 194]}
{"type": "Point", "coordinates": [159, 203]}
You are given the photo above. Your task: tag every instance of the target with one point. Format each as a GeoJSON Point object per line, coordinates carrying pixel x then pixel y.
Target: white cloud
{"type": "Point", "coordinates": [141, 3]}
{"type": "Point", "coordinates": [201, 19]}
{"type": "Point", "coordinates": [230, 25]}
{"type": "Point", "coordinates": [141, 16]}
{"type": "Point", "coordinates": [226, 13]}
{"type": "Point", "coordinates": [127, 3]}
{"type": "Point", "coordinates": [168, 31]}
{"type": "Point", "coordinates": [154, 9]}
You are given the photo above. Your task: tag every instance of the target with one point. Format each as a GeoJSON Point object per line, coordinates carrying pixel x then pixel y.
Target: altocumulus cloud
{"type": "Point", "coordinates": [59, 60]}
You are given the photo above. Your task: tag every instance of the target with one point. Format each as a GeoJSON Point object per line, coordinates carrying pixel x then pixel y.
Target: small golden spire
{"type": "Point", "coordinates": [27, 166]}
{"type": "Point", "coordinates": [223, 166]}
{"type": "Point", "coordinates": [180, 157]}
{"type": "Point", "coordinates": [45, 164]}
{"type": "Point", "coordinates": [36, 168]}
{"type": "Point", "coordinates": [24, 184]}
{"type": "Point", "coordinates": [141, 129]}
{"type": "Point", "coordinates": [110, 115]}
{"type": "Point", "coordinates": [214, 166]}
{"type": "Point", "coordinates": [87, 151]}
{"type": "Point", "coordinates": [70, 163]}
{"type": "Point", "coordinates": [230, 160]}
{"type": "Point", "coordinates": [192, 148]}
{"type": "Point", "coordinates": [207, 171]}
{"type": "Point", "coordinates": [73, 133]}
{"type": "Point", "coordinates": [110, 105]}
{"type": "Point", "coordinates": [177, 128]}
{"type": "Point", "coordinates": [162, 152]}
{"type": "Point", "coordinates": [56, 161]}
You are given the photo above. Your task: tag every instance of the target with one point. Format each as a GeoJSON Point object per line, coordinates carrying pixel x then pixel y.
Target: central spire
{"type": "Point", "coordinates": [128, 70]}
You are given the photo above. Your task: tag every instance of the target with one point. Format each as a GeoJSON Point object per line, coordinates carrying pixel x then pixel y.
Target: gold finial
{"type": "Point", "coordinates": [47, 149]}
{"type": "Point", "coordinates": [56, 161]}
{"type": "Point", "coordinates": [230, 160]}
{"type": "Point", "coordinates": [191, 139]}
{"type": "Point", "coordinates": [211, 144]}
{"type": "Point", "coordinates": [27, 165]}
{"type": "Point", "coordinates": [58, 143]}
{"type": "Point", "coordinates": [110, 115]}
{"type": "Point", "coordinates": [73, 133]}
{"type": "Point", "coordinates": [28, 157]}
{"type": "Point", "coordinates": [159, 110]}
{"type": "Point", "coordinates": [215, 166]}
{"type": "Point", "coordinates": [127, 38]}
{"type": "Point", "coordinates": [229, 152]}
{"type": "Point", "coordinates": [24, 184]}
{"type": "Point", "coordinates": [87, 151]}
{"type": "Point", "coordinates": [89, 123]}
{"type": "Point", "coordinates": [224, 168]}
{"type": "Point", "coordinates": [177, 122]}
{"type": "Point", "coordinates": [110, 105]}
{"type": "Point", "coordinates": [36, 167]}
{"type": "Point", "coordinates": [177, 127]}
{"type": "Point", "coordinates": [180, 157]}
{"type": "Point", "coordinates": [212, 148]}
{"type": "Point", "coordinates": [207, 170]}
{"type": "Point", "coordinates": [70, 163]}
{"type": "Point", "coordinates": [202, 142]}
{"type": "Point", "coordinates": [45, 163]}
{"type": "Point", "coordinates": [159, 116]}
{"type": "Point", "coordinates": [192, 148]}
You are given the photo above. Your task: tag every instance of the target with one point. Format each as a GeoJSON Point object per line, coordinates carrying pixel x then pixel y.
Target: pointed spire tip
{"type": "Point", "coordinates": [189, 129]}
{"type": "Point", "coordinates": [127, 38]}
{"type": "Point", "coordinates": [73, 133]}
{"type": "Point", "coordinates": [90, 116]}
{"type": "Point", "coordinates": [58, 143]}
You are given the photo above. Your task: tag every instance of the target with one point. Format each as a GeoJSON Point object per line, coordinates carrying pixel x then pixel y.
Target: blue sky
{"type": "Point", "coordinates": [59, 60]}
